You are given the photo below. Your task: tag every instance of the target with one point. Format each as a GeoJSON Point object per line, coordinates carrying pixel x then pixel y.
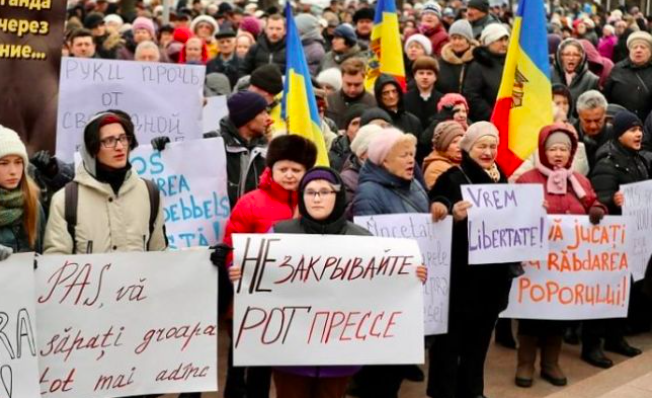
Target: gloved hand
{"type": "Point", "coordinates": [160, 142]}
{"type": "Point", "coordinates": [596, 214]}
{"type": "Point", "coordinates": [220, 252]}
{"type": "Point", "coordinates": [5, 252]}
{"type": "Point", "coordinates": [45, 163]}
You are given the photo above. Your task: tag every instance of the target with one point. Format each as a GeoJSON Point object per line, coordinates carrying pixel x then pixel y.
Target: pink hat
{"type": "Point", "coordinates": [251, 25]}
{"type": "Point", "coordinates": [476, 131]}
{"type": "Point", "coordinates": [382, 143]}
{"type": "Point", "coordinates": [144, 23]}
{"type": "Point", "coordinates": [452, 99]}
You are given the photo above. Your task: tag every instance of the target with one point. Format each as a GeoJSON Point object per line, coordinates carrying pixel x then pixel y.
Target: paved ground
{"type": "Point", "coordinates": [500, 373]}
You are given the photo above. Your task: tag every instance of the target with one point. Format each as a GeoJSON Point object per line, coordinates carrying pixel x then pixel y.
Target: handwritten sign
{"type": "Point", "coordinates": [348, 300]}
{"type": "Point", "coordinates": [30, 57]}
{"type": "Point", "coordinates": [191, 177]}
{"type": "Point", "coordinates": [586, 275]}
{"type": "Point", "coordinates": [434, 241]}
{"type": "Point", "coordinates": [122, 324]}
{"type": "Point", "coordinates": [638, 197]}
{"type": "Point", "coordinates": [506, 223]}
{"type": "Point", "coordinates": [162, 99]}
{"type": "Point", "coordinates": [18, 350]}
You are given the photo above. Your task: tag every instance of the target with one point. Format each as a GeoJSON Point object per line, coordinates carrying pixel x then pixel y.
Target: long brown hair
{"type": "Point", "coordinates": [31, 211]}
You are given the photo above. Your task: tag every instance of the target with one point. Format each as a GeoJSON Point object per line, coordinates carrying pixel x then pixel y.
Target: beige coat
{"type": "Point", "coordinates": [435, 165]}
{"type": "Point", "coordinates": [113, 223]}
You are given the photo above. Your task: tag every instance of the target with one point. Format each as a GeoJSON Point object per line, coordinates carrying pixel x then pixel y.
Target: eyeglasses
{"type": "Point", "coordinates": [112, 142]}
{"type": "Point", "coordinates": [313, 194]}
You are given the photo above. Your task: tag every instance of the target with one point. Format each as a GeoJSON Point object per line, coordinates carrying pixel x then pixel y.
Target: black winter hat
{"type": "Point", "coordinates": [373, 114]}
{"type": "Point", "coordinates": [482, 5]}
{"type": "Point", "coordinates": [268, 77]}
{"type": "Point", "coordinates": [355, 111]}
{"type": "Point", "coordinates": [291, 147]}
{"type": "Point", "coordinates": [93, 20]}
{"type": "Point", "coordinates": [624, 121]}
{"type": "Point", "coordinates": [346, 32]}
{"type": "Point", "coordinates": [364, 13]}
{"type": "Point", "coordinates": [244, 106]}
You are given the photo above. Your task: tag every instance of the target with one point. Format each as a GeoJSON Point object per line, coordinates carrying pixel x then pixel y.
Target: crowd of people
{"type": "Point", "coordinates": [402, 147]}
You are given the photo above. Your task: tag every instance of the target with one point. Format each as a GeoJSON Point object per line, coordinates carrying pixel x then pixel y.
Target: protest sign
{"type": "Point", "coordinates": [434, 241]}
{"type": "Point", "coordinates": [31, 35]}
{"type": "Point", "coordinates": [637, 210]}
{"type": "Point", "coordinates": [18, 360]}
{"type": "Point", "coordinates": [162, 99]}
{"type": "Point", "coordinates": [191, 177]}
{"type": "Point", "coordinates": [214, 110]}
{"type": "Point", "coordinates": [586, 275]}
{"type": "Point", "coordinates": [506, 223]}
{"type": "Point", "coordinates": [122, 324]}
{"type": "Point", "coordinates": [346, 300]}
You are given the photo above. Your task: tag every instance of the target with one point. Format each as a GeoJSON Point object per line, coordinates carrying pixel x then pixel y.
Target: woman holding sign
{"type": "Point", "coordinates": [22, 221]}
{"type": "Point", "coordinates": [566, 192]}
{"type": "Point", "coordinates": [478, 292]}
{"type": "Point", "coordinates": [276, 199]}
{"type": "Point", "coordinates": [322, 207]}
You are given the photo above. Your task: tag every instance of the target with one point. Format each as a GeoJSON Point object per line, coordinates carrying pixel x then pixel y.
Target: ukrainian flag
{"type": "Point", "coordinates": [299, 104]}
{"type": "Point", "coordinates": [387, 51]}
{"type": "Point", "coordinates": [524, 103]}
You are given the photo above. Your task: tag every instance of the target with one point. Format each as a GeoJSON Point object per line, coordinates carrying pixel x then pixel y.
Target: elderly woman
{"type": "Point", "coordinates": [322, 205]}
{"type": "Point", "coordinates": [572, 69]}
{"type": "Point", "coordinates": [478, 293]}
{"type": "Point", "coordinates": [351, 170]}
{"type": "Point", "coordinates": [630, 83]}
{"type": "Point", "coordinates": [446, 152]}
{"type": "Point", "coordinates": [566, 192]}
{"type": "Point", "coordinates": [455, 57]}
{"type": "Point", "coordinates": [387, 186]}
{"type": "Point", "coordinates": [205, 27]}
{"type": "Point", "coordinates": [416, 46]}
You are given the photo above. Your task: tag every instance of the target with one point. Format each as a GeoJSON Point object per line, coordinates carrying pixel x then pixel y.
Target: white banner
{"type": "Point", "coordinates": [435, 240]}
{"type": "Point", "coordinates": [506, 223]}
{"type": "Point", "coordinates": [122, 324]}
{"type": "Point", "coordinates": [638, 209]}
{"type": "Point", "coordinates": [214, 110]}
{"type": "Point", "coordinates": [19, 372]}
{"type": "Point", "coordinates": [586, 275]}
{"type": "Point", "coordinates": [162, 99]}
{"type": "Point", "coordinates": [327, 300]}
{"type": "Point", "coordinates": [191, 176]}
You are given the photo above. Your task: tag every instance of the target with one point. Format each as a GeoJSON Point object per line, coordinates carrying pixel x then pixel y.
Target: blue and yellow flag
{"type": "Point", "coordinates": [524, 103]}
{"type": "Point", "coordinates": [386, 47]}
{"type": "Point", "coordinates": [299, 104]}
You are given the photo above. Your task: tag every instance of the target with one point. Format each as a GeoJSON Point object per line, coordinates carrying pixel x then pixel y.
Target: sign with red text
{"type": "Point", "coordinates": [123, 324]}
{"type": "Point", "coordinates": [18, 350]}
{"type": "Point", "coordinates": [506, 223]}
{"type": "Point", "coordinates": [31, 37]}
{"type": "Point", "coordinates": [327, 300]}
{"type": "Point", "coordinates": [435, 240]}
{"type": "Point", "coordinates": [586, 275]}
{"type": "Point", "coordinates": [162, 99]}
{"type": "Point", "coordinates": [638, 197]}
{"type": "Point", "coordinates": [191, 177]}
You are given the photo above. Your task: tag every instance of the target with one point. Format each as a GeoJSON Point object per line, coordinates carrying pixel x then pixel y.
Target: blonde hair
{"type": "Point", "coordinates": [31, 212]}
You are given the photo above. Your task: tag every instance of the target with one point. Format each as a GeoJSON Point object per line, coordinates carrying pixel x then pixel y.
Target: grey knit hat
{"type": "Point", "coordinates": [463, 28]}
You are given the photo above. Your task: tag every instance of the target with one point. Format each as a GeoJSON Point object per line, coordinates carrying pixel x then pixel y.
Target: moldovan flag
{"type": "Point", "coordinates": [387, 51]}
{"type": "Point", "coordinates": [524, 103]}
{"type": "Point", "coordinates": [299, 104]}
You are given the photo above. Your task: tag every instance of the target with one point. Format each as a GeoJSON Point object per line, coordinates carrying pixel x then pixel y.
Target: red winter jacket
{"type": "Point", "coordinates": [562, 204]}
{"type": "Point", "coordinates": [259, 210]}
{"type": "Point", "coordinates": [438, 37]}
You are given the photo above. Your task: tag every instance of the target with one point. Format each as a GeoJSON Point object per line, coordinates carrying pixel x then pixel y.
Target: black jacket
{"type": "Point", "coordinates": [452, 69]}
{"type": "Point", "coordinates": [476, 289]}
{"type": "Point", "coordinates": [593, 143]}
{"type": "Point", "coordinates": [631, 86]}
{"type": "Point", "coordinates": [263, 53]}
{"type": "Point", "coordinates": [339, 152]}
{"type": "Point", "coordinates": [616, 165]}
{"type": "Point", "coordinates": [482, 82]}
{"type": "Point", "coordinates": [230, 67]}
{"type": "Point", "coordinates": [584, 79]}
{"type": "Point", "coordinates": [423, 110]}
{"type": "Point", "coordinates": [245, 161]}
{"type": "Point", "coordinates": [401, 119]}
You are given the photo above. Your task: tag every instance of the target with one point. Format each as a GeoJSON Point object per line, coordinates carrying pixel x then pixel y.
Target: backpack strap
{"type": "Point", "coordinates": [154, 203]}
{"type": "Point", "coordinates": [70, 210]}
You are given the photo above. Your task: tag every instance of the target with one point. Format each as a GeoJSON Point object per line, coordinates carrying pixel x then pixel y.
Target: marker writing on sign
{"type": "Point", "coordinates": [84, 280]}
{"type": "Point", "coordinates": [577, 294]}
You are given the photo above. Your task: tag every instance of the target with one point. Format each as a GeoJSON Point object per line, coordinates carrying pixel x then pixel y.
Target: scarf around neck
{"type": "Point", "coordinates": [11, 206]}
{"type": "Point", "coordinates": [493, 172]}
{"type": "Point", "coordinates": [558, 180]}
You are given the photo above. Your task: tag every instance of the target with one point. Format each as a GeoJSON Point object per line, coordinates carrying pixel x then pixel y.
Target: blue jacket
{"type": "Point", "coordinates": [380, 192]}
